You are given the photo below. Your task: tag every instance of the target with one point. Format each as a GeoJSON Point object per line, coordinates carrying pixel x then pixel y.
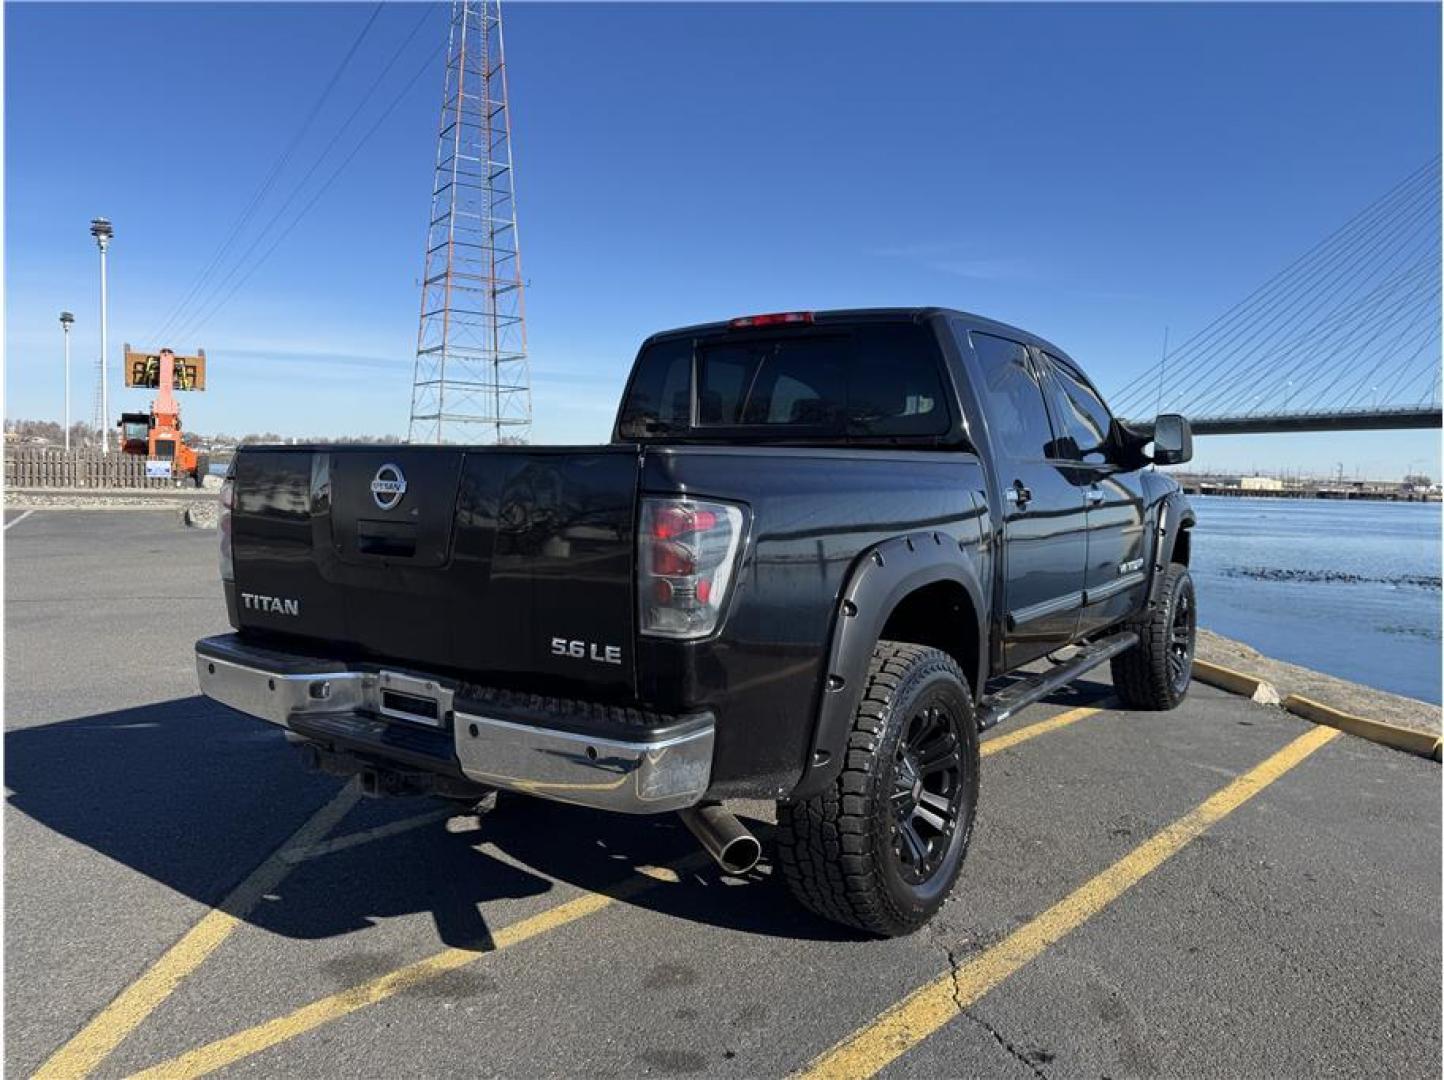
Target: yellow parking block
{"type": "Point", "coordinates": [1236, 682]}
{"type": "Point", "coordinates": [1424, 743]}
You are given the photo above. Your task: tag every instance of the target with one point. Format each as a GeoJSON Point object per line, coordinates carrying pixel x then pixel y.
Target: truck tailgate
{"type": "Point", "coordinates": [485, 557]}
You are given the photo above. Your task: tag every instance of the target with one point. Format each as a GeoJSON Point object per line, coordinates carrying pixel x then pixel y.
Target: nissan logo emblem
{"type": "Point", "coordinates": [389, 486]}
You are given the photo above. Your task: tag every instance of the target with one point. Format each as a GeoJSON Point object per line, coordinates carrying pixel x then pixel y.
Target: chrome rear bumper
{"type": "Point", "coordinates": [656, 772]}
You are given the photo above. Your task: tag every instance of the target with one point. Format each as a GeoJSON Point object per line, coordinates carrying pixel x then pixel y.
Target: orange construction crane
{"type": "Point", "coordinates": [157, 435]}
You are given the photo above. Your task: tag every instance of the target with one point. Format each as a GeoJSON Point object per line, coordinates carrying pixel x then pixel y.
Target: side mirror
{"type": "Point", "coordinates": [1172, 439]}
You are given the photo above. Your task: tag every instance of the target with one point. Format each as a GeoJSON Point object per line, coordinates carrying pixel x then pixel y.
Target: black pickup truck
{"type": "Point", "coordinates": [821, 553]}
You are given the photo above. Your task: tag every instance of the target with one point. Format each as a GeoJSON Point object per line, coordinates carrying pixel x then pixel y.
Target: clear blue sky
{"type": "Point", "coordinates": [1092, 173]}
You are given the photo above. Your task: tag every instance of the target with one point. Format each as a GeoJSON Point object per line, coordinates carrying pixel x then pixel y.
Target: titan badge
{"type": "Point", "coordinates": [272, 605]}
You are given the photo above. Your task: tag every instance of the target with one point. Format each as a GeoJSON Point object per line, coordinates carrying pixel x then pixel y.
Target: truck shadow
{"type": "Point", "coordinates": [195, 797]}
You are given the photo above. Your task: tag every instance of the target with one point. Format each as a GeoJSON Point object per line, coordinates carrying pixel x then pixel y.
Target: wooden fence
{"type": "Point", "coordinates": [53, 467]}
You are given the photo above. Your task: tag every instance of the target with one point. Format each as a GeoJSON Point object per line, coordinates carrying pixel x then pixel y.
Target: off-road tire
{"type": "Point", "coordinates": [836, 849]}
{"type": "Point", "coordinates": [1153, 675]}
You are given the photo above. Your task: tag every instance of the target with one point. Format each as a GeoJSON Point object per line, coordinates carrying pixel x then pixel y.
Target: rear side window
{"type": "Point", "coordinates": [1085, 419]}
{"type": "Point", "coordinates": [874, 380]}
{"type": "Point", "coordinates": [1016, 416]}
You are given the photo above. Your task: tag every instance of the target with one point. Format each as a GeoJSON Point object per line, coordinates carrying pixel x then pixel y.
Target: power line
{"type": "Point", "coordinates": [207, 307]}
{"type": "Point", "coordinates": [280, 163]}
{"type": "Point", "coordinates": [323, 189]}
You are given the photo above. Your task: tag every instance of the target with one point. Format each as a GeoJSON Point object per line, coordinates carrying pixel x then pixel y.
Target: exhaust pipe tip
{"type": "Point", "coordinates": [739, 855]}
{"type": "Point", "coordinates": [723, 837]}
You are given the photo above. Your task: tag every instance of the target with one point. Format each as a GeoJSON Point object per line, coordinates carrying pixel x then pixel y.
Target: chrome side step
{"type": "Point", "coordinates": [1006, 702]}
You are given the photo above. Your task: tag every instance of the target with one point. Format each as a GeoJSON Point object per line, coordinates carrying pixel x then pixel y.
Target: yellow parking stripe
{"type": "Point", "coordinates": [253, 1040]}
{"type": "Point", "coordinates": [1042, 727]}
{"type": "Point", "coordinates": [900, 1028]}
{"type": "Point", "coordinates": [296, 853]}
{"type": "Point", "coordinates": [83, 1053]}
{"type": "Point", "coordinates": [104, 1033]}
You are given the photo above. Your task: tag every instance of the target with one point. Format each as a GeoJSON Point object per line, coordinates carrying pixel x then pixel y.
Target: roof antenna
{"type": "Point", "coordinates": [1162, 364]}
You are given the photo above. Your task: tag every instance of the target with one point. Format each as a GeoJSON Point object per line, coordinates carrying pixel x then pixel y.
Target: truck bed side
{"type": "Point", "coordinates": [815, 514]}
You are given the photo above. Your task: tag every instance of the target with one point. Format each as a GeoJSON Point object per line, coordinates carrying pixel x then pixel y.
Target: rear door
{"type": "Point", "coordinates": [1044, 514]}
{"type": "Point", "coordinates": [1115, 579]}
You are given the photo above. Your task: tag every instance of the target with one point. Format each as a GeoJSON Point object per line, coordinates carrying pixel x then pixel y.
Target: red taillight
{"type": "Point", "coordinates": [777, 318]}
{"type": "Point", "coordinates": [677, 520]}
{"type": "Point", "coordinates": [687, 552]}
{"type": "Point", "coordinates": [672, 560]}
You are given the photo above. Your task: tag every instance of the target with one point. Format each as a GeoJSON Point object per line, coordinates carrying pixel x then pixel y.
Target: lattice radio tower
{"type": "Point", "coordinates": [471, 381]}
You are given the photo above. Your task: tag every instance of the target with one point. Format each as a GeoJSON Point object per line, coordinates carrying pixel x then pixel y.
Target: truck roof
{"type": "Point", "coordinates": [886, 314]}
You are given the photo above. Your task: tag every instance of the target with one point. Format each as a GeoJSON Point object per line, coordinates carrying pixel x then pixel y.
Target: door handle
{"type": "Point", "coordinates": [1018, 495]}
{"type": "Point", "coordinates": [1094, 496]}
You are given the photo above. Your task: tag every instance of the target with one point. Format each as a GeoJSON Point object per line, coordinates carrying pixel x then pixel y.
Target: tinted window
{"type": "Point", "coordinates": [1085, 419]}
{"type": "Point", "coordinates": [659, 399]}
{"type": "Point", "coordinates": [1016, 416]}
{"type": "Point", "coordinates": [879, 380]}
{"type": "Point", "coordinates": [802, 382]}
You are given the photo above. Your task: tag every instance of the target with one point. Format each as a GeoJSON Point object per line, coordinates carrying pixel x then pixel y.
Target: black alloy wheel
{"type": "Point", "coordinates": [1154, 675]}
{"type": "Point", "coordinates": [882, 846]}
{"type": "Point", "coordinates": [1181, 635]}
{"type": "Point", "coordinates": [927, 799]}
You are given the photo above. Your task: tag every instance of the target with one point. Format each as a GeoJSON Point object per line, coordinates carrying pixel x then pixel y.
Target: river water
{"type": "Point", "coordinates": [1348, 588]}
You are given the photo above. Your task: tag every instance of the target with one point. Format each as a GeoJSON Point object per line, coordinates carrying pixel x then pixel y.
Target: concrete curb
{"type": "Point", "coordinates": [1400, 738]}
{"type": "Point", "coordinates": [1236, 682]}
{"type": "Point", "coordinates": [113, 493]}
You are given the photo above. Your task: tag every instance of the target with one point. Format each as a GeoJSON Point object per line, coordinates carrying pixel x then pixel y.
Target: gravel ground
{"type": "Point", "coordinates": [93, 499]}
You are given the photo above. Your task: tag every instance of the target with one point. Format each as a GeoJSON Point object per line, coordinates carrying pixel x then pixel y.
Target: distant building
{"type": "Point", "coordinates": [1260, 483]}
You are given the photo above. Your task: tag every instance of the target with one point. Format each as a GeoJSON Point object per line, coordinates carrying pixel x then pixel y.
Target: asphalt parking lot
{"type": "Point", "coordinates": [1220, 891]}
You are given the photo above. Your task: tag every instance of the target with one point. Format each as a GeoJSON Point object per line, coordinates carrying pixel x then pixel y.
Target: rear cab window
{"type": "Point", "coordinates": [1016, 415]}
{"type": "Point", "coordinates": [831, 381]}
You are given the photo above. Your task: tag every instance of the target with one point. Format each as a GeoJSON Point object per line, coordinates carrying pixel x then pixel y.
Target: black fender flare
{"type": "Point", "coordinates": [881, 578]}
{"type": "Point", "coordinates": [1174, 514]}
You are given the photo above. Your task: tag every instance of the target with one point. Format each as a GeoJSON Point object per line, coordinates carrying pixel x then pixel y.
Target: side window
{"type": "Point", "coordinates": [1016, 417]}
{"type": "Point", "coordinates": [1086, 420]}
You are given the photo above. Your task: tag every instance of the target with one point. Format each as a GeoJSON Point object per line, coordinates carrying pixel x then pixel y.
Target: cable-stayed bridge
{"type": "Point", "coordinates": [1344, 338]}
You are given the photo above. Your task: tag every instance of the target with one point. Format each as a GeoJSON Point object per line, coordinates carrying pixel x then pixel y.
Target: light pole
{"type": "Point", "coordinates": [66, 320]}
{"type": "Point", "coordinates": [101, 230]}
